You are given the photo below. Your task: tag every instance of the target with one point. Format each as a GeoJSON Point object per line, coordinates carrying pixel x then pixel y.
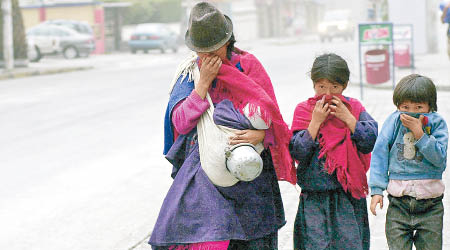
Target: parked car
{"type": "Point", "coordinates": [336, 23]}
{"type": "Point", "coordinates": [148, 36]}
{"type": "Point", "coordinates": [54, 39]}
{"type": "Point", "coordinates": [79, 26]}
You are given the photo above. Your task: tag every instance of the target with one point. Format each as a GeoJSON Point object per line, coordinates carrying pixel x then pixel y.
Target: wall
{"type": "Point", "coordinates": [80, 13]}
{"type": "Point", "coordinates": [243, 13]}
{"type": "Point", "coordinates": [412, 12]}
{"type": "Point", "coordinates": [245, 20]}
{"type": "Point", "coordinates": [359, 8]}
{"type": "Point", "coordinates": [30, 17]}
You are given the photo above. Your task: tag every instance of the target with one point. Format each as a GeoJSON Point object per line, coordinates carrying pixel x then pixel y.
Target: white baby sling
{"type": "Point", "coordinates": [214, 139]}
{"type": "Point", "coordinates": [213, 142]}
{"type": "Point", "coordinates": [213, 146]}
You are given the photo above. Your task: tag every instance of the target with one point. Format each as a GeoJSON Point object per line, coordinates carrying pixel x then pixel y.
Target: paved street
{"type": "Point", "coordinates": [81, 151]}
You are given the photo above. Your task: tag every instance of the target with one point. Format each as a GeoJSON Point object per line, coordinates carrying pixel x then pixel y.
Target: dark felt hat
{"type": "Point", "coordinates": [208, 28]}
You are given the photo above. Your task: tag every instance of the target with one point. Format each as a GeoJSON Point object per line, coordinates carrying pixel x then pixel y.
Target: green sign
{"type": "Point", "coordinates": [375, 33]}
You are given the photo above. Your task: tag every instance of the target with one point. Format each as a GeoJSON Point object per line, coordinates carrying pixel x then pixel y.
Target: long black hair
{"type": "Point", "coordinates": [230, 47]}
{"type": "Point", "coordinates": [332, 67]}
{"type": "Point", "coordinates": [415, 88]}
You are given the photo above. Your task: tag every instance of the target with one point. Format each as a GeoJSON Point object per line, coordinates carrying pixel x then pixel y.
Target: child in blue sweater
{"type": "Point", "coordinates": [408, 160]}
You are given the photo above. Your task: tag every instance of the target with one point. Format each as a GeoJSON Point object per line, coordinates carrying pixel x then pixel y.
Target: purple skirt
{"type": "Point", "coordinates": [195, 210]}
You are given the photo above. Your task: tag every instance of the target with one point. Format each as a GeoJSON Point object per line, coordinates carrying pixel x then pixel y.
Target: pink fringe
{"type": "Point", "coordinates": [212, 245]}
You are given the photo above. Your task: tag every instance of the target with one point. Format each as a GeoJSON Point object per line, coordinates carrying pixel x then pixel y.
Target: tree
{"type": "Point", "coordinates": [19, 38]}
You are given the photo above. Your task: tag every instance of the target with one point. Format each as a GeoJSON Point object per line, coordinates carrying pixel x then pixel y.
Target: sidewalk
{"type": "Point", "coordinates": [35, 71]}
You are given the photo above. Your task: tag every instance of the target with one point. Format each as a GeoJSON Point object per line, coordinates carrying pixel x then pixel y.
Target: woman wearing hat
{"type": "Point", "coordinates": [207, 207]}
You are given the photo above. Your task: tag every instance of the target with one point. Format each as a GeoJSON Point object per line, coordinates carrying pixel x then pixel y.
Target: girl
{"type": "Point", "coordinates": [332, 139]}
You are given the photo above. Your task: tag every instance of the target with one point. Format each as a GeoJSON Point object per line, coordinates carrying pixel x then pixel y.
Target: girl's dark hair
{"type": "Point", "coordinates": [230, 47]}
{"type": "Point", "coordinates": [332, 67]}
{"type": "Point", "coordinates": [415, 88]}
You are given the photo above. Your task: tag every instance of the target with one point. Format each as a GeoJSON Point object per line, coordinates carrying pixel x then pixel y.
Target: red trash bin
{"type": "Point", "coordinates": [402, 56]}
{"type": "Point", "coordinates": [377, 66]}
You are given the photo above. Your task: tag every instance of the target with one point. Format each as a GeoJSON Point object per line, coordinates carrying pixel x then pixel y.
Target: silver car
{"type": "Point", "coordinates": [79, 26]}
{"type": "Point", "coordinates": [148, 36]}
{"type": "Point", "coordinates": [53, 39]}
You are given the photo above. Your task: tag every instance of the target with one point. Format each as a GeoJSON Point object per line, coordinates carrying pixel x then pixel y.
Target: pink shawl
{"type": "Point", "coordinates": [336, 144]}
{"type": "Point", "coordinates": [253, 87]}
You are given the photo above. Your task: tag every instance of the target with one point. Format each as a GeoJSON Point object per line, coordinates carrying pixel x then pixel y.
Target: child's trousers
{"type": "Point", "coordinates": [409, 221]}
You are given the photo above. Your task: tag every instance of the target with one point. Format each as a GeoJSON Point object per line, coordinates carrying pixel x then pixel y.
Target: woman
{"type": "Point", "coordinates": [197, 214]}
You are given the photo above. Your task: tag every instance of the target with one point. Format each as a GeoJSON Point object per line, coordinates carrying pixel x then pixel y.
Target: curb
{"type": "Point", "coordinates": [389, 87]}
{"type": "Point", "coordinates": [36, 72]}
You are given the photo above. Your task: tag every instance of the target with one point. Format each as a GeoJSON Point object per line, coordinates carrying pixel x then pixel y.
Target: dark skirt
{"type": "Point", "coordinates": [331, 220]}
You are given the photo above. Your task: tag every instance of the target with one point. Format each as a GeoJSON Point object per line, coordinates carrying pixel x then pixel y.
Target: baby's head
{"type": "Point", "coordinates": [329, 74]}
{"type": "Point", "coordinates": [415, 93]}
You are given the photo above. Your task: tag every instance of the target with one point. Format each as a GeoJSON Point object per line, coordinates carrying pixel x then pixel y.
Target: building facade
{"type": "Point", "coordinates": [104, 18]}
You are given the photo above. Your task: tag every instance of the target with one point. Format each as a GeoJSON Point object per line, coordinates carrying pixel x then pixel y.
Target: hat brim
{"type": "Point", "coordinates": [229, 32]}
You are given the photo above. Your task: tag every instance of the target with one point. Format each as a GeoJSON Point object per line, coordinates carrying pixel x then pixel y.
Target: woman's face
{"type": "Point", "coordinates": [221, 52]}
{"type": "Point", "coordinates": [325, 87]}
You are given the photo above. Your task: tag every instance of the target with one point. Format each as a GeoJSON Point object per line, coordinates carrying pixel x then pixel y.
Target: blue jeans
{"type": "Point", "coordinates": [411, 221]}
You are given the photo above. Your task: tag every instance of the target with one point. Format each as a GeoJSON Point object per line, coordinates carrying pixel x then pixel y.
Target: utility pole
{"type": "Point", "coordinates": [8, 47]}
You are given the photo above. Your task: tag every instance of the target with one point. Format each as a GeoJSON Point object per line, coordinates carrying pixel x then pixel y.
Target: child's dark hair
{"type": "Point", "coordinates": [332, 67]}
{"type": "Point", "coordinates": [415, 88]}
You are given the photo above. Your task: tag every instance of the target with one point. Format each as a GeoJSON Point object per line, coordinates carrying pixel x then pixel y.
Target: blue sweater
{"type": "Point", "coordinates": [398, 156]}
